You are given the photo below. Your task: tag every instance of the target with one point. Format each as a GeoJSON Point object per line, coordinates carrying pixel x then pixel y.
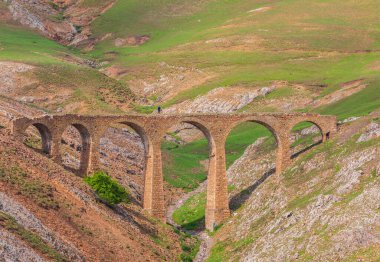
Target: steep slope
{"type": "Point", "coordinates": [324, 207]}
{"type": "Point", "coordinates": [219, 56]}
{"type": "Point", "coordinates": [64, 21]}
{"type": "Point", "coordinates": [55, 78]}
{"type": "Point", "coordinates": [55, 214]}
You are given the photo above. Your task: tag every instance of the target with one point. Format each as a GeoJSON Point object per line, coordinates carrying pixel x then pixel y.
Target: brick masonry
{"type": "Point", "coordinates": [152, 129]}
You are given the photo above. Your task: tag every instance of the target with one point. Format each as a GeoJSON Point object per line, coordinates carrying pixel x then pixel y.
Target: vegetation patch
{"type": "Point", "coordinates": [35, 241]}
{"type": "Point", "coordinates": [107, 189]}
{"type": "Point", "coordinates": [221, 250]}
{"type": "Point", "coordinates": [189, 245]}
{"type": "Point", "coordinates": [33, 142]}
{"type": "Point", "coordinates": [183, 163]}
{"type": "Point", "coordinates": [367, 254]}
{"type": "Point", "coordinates": [281, 93]}
{"type": "Point", "coordinates": [191, 215]}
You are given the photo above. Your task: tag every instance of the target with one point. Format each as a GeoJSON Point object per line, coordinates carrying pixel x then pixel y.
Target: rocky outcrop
{"type": "Point", "coordinates": [24, 16]}
{"type": "Point", "coordinates": [220, 100]}
{"type": "Point", "coordinates": [326, 210]}
{"type": "Point", "coordinates": [29, 221]}
{"type": "Point", "coordinates": [40, 15]}
{"type": "Point", "coordinates": [10, 79]}
{"type": "Point", "coordinates": [132, 40]}
{"type": "Point", "coordinates": [67, 22]}
{"type": "Point", "coordinates": [12, 249]}
{"type": "Point", "coordinates": [372, 131]}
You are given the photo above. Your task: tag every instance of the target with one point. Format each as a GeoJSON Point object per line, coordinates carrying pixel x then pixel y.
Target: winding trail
{"type": "Point", "coordinates": [206, 240]}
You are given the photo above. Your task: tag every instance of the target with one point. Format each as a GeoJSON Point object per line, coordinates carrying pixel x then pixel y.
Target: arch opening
{"type": "Point", "coordinates": [123, 156]}
{"type": "Point", "coordinates": [304, 136]}
{"type": "Point", "coordinates": [38, 137]}
{"type": "Point", "coordinates": [74, 148]}
{"type": "Point", "coordinates": [186, 149]}
{"type": "Point", "coordinates": [251, 154]}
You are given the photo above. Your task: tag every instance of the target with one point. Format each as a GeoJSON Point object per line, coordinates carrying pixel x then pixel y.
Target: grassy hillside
{"type": "Point", "coordinates": [316, 44]}
{"type": "Point", "coordinates": [293, 41]}
{"type": "Point", "coordinates": [313, 48]}
{"type": "Point", "coordinates": [59, 70]}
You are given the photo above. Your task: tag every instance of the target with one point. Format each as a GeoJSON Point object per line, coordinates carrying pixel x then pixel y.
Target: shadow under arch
{"type": "Point", "coordinates": [83, 148]}
{"type": "Point", "coordinates": [305, 136]}
{"type": "Point", "coordinates": [45, 136]}
{"type": "Point", "coordinates": [260, 130]}
{"type": "Point", "coordinates": [193, 174]}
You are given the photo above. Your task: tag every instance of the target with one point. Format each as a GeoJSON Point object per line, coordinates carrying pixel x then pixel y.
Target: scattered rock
{"type": "Point", "coordinates": [9, 76]}
{"type": "Point", "coordinates": [30, 222]}
{"type": "Point", "coordinates": [12, 249]}
{"type": "Point", "coordinates": [348, 120]}
{"type": "Point", "coordinates": [132, 40]}
{"type": "Point", "coordinates": [31, 99]}
{"type": "Point", "coordinates": [220, 100]}
{"type": "Point", "coordinates": [371, 132]}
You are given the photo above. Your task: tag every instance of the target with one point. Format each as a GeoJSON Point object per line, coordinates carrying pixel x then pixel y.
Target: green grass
{"type": "Point", "coordinates": [22, 45]}
{"type": "Point", "coordinates": [189, 245]}
{"type": "Point", "coordinates": [192, 213]}
{"type": "Point", "coordinates": [182, 167]}
{"type": "Point", "coordinates": [299, 62]}
{"type": "Point", "coordinates": [367, 254]}
{"type": "Point", "coordinates": [242, 136]}
{"type": "Point", "coordinates": [359, 104]}
{"type": "Point", "coordinates": [31, 238]}
{"type": "Point", "coordinates": [281, 93]}
{"type": "Point", "coordinates": [108, 189]}
{"type": "Point", "coordinates": [182, 163]}
{"type": "Point", "coordinates": [219, 251]}
{"type": "Point", "coordinates": [88, 88]}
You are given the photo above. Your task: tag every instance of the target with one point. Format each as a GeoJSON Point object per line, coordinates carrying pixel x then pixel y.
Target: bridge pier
{"type": "Point", "coordinates": [55, 148]}
{"type": "Point", "coordinates": [217, 207]}
{"type": "Point", "coordinates": [154, 202]}
{"type": "Point", "coordinates": [85, 158]}
{"type": "Point", "coordinates": [94, 155]}
{"type": "Point", "coordinates": [284, 156]}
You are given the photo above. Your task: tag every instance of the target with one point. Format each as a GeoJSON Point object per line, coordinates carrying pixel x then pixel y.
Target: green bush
{"type": "Point", "coordinates": [107, 189]}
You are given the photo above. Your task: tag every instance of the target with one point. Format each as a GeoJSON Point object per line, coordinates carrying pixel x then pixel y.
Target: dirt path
{"type": "Point", "coordinates": [206, 241]}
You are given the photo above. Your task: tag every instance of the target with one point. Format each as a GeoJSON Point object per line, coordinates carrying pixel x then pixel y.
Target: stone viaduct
{"type": "Point", "coordinates": [152, 129]}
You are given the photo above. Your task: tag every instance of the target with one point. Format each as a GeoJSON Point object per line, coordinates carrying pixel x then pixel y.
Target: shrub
{"type": "Point", "coordinates": [107, 189]}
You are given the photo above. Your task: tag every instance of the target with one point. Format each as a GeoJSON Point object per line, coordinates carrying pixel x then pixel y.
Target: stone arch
{"type": "Point", "coordinates": [200, 125]}
{"type": "Point", "coordinates": [320, 132]}
{"type": "Point", "coordinates": [238, 198]}
{"type": "Point", "coordinates": [275, 132]}
{"type": "Point", "coordinates": [45, 135]}
{"type": "Point", "coordinates": [269, 126]}
{"type": "Point", "coordinates": [206, 132]}
{"type": "Point", "coordinates": [84, 148]}
{"type": "Point", "coordinates": [138, 128]}
{"type": "Point", "coordinates": [202, 170]}
{"type": "Point", "coordinates": [116, 135]}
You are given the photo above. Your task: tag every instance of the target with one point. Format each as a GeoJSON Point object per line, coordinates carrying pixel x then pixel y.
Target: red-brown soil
{"type": "Point", "coordinates": [97, 231]}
